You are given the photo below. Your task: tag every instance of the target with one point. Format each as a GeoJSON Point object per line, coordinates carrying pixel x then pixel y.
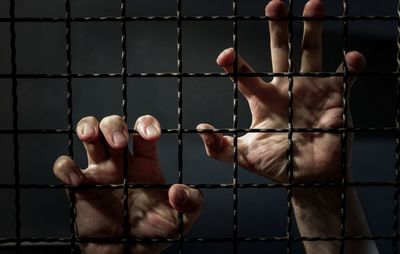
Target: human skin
{"type": "Point", "coordinates": [317, 103]}
{"type": "Point", "coordinates": [153, 213]}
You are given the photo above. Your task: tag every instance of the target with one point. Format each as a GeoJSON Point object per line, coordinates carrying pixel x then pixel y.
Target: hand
{"type": "Point", "coordinates": [99, 212]}
{"type": "Point", "coordinates": [317, 103]}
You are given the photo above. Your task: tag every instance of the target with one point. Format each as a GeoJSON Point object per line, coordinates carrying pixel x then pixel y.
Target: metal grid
{"type": "Point", "coordinates": [73, 240]}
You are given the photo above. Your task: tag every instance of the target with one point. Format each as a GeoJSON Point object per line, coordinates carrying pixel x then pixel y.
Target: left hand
{"type": "Point", "coordinates": [153, 213]}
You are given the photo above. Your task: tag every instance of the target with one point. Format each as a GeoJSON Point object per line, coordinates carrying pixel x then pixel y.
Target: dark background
{"type": "Point", "coordinates": [151, 47]}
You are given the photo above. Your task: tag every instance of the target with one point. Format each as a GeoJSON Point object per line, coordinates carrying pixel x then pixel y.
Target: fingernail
{"type": "Point", "coordinates": [119, 138]}
{"type": "Point", "coordinates": [74, 179]}
{"type": "Point", "coordinates": [181, 196]}
{"type": "Point", "coordinates": [88, 129]}
{"type": "Point", "coordinates": [151, 131]}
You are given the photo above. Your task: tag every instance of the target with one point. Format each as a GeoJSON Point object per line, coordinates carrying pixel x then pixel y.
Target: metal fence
{"type": "Point", "coordinates": [17, 242]}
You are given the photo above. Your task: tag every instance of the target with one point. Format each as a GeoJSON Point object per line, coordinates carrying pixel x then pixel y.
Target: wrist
{"type": "Point", "coordinates": [318, 212]}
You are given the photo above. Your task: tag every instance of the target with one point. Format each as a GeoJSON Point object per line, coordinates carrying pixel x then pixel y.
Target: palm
{"type": "Point", "coordinates": [315, 154]}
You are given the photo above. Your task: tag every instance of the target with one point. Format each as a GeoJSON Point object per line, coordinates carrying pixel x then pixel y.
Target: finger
{"type": "Point", "coordinates": [115, 132]}
{"type": "Point", "coordinates": [248, 86]}
{"type": "Point", "coordinates": [186, 200]}
{"type": "Point", "coordinates": [145, 141]}
{"type": "Point", "coordinates": [220, 147]}
{"type": "Point", "coordinates": [311, 49]}
{"type": "Point", "coordinates": [67, 171]}
{"type": "Point", "coordinates": [356, 63]}
{"type": "Point", "coordinates": [279, 35]}
{"type": "Point", "coordinates": [217, 145]}
{"type": "Point", "coordinates": [89, 133]}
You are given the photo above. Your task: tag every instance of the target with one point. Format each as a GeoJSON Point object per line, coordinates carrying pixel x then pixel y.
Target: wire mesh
{"type": "Point", "coordinates": [15, 127]}
{"type": "Point", "coordinates": [344, 140]}
{"type": "Point", "coordinates": [397, 165]}
{"type": "Point", "coordinates": [290, 132]}
{"type": "Point", "coordinates": [235, 42]}
{"type": "Point", "coordinates": [179, 67]}
{"type": "Point", "coordinates": [71, 193]}
{"type": "Point", "coordinates": [235, 131]}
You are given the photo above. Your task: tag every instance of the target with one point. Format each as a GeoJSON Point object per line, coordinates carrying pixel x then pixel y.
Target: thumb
{"type": "Point", "coordinates": [186, 200]}
{"type": "Point", "coordinates": [217, 145]}
{"type": "Point", "coordinates": [356, 63]}
{"type": "Point", "coordinates": [67, 171]}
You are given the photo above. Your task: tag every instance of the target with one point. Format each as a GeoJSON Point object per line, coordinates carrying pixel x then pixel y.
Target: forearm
{"type": "Point", "coordinates": [318, 214]}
